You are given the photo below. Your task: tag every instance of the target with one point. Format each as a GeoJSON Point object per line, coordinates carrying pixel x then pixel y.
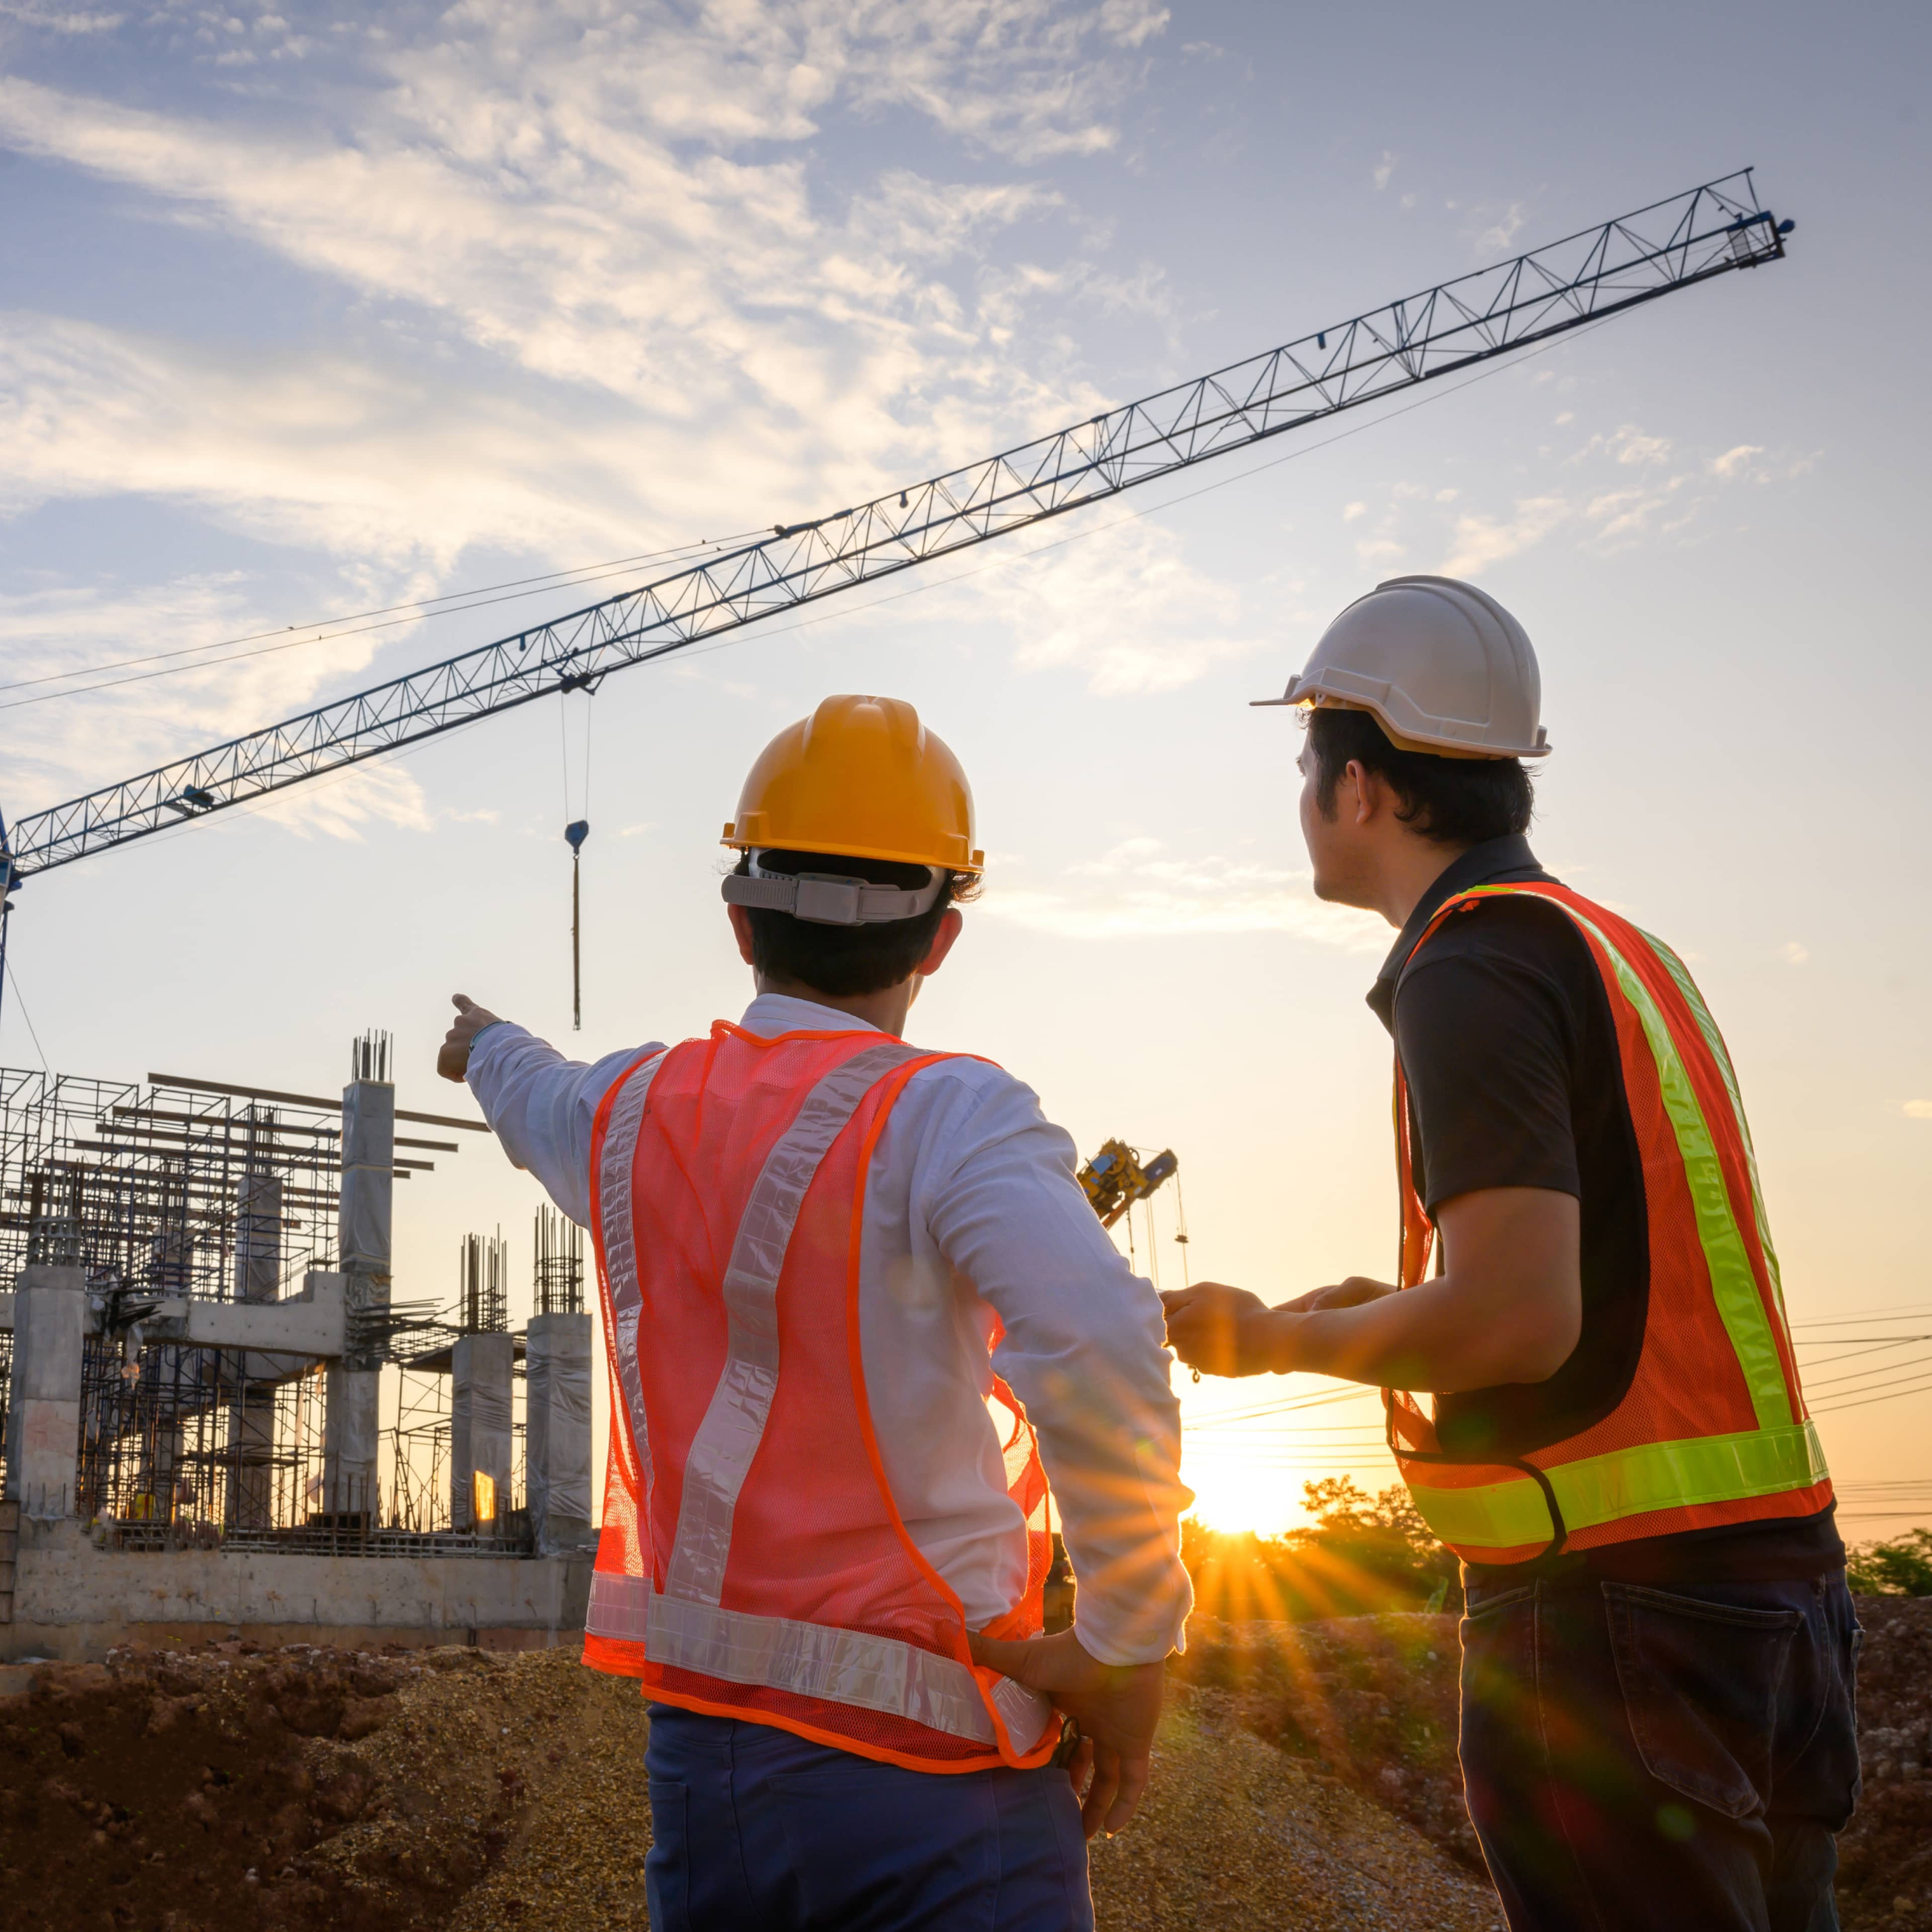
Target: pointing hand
{"type": "Point", "coordinates": [452, 1062]}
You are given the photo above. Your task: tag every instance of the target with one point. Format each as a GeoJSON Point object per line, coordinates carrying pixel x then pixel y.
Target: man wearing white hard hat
{"type": "Point", "coordinates": [1588, 1376]}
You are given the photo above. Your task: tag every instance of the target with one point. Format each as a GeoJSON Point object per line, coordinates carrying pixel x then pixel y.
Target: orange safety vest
{"type": "Point", "coordinates": [752, 1562]}
{"type": "Point", "coordinates": [1713, 1428]}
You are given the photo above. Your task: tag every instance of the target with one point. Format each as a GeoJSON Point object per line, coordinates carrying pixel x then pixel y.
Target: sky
{"type": "Point", "coordinates": [317, 312]}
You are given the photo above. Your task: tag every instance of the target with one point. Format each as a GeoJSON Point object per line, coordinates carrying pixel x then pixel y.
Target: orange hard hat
{"type": "Point", "coordinates": [863, 779]}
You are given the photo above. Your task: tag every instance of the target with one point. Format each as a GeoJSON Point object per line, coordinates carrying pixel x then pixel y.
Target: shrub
{"type": "Point", "coordinates": [1902, 1567]}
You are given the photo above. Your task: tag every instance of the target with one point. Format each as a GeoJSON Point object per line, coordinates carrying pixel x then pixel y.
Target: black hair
{"type": "Point", "coordinates": [848, 960]}
{"type": "Point", "coordinates": [1455, 801]}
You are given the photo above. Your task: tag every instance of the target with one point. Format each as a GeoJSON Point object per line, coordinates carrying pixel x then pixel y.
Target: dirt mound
{"type": "Point", "coordinates": [1885, 1861]}
{"type": "Point", "coordinates": [1239, 1836]}
{"type": "Point", "coordinates": [312, 1790]}
{"type": "Point", "coordinates": [1370, 1700]}
{"type": "Point", "coordinates": [320, 1791]}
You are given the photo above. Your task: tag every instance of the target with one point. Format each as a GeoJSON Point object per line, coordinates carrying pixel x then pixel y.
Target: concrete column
{"type": "Point", "coordinates": [43, 1397]}
{"type": "Point", "coordinates": [251, 1420]}
{"type": "Point", "coordinates": [479, 1425]}
{"type": "Point", "coordinates": [368, 1187]}
{"type": "Point", "coordinates": [350, 1435]}
{"type": "Point", "coordinates": [556, 1439]}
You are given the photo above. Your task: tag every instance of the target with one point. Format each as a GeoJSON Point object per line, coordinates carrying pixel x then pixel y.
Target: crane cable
{"type": "Point", "coordinates": [575, 831]}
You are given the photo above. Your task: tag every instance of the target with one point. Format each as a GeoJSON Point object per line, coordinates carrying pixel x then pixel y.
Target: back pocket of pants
{"type": "Point", "coordinates": [1700, 1683]}
{"type": "Point", "coordinates": [668, 1867]}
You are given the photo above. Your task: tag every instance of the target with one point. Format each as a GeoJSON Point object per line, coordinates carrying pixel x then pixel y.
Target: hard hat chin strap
{"type": "Point", "coordinates": [828, 898]}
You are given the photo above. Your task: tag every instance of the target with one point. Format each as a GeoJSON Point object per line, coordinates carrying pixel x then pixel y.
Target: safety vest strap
{"type": "Point", "coordinates": [1637, 1481]}
{"type": "Point", "coordinates": [616, 1239]}
{"type": "Point", "coordinates": [741, 1404]}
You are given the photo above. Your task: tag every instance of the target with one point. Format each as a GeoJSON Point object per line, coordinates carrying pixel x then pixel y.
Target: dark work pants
{"type": "Point", "coordinates": [1679, 1758]}
{"type": "Point", "coordinates": [754, 1830]}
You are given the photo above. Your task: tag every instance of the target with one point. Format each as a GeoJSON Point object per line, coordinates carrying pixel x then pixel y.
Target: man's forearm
{"type": "Point", "coordinates": [1442, 1336]}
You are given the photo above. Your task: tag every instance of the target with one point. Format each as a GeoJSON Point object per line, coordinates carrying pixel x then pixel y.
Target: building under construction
{"type": "Point", "coordinates": [217, 1415]}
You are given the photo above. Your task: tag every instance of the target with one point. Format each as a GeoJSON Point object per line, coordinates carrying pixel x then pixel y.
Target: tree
{"type": "Point", "coordinates": [1902, 1567]}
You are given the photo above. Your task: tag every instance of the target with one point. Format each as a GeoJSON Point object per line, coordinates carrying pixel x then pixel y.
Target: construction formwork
{"type": "Point", "coordinates": [154, 1197]}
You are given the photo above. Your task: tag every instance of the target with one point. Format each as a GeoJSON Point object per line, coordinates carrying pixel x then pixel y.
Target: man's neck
{"type": "Point", "coordinates": [1409, 869]}
{"type": "Point", "coordinates": [886, 1010]}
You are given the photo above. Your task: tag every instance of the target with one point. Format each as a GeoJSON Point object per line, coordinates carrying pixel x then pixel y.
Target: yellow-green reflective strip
{"type": "Point", "coordinates": [1625, 1483]}
{"type": "Point", "coordinates": [1715, 1040]}
{"type": "Point", "coordinates": [1733, 1285]}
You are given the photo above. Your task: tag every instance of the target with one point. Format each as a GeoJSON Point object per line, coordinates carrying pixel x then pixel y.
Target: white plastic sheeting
{"type": "Point", "coordinates": [557, 1442]}
{"type": "Point", "coordinates": [479, 1423]}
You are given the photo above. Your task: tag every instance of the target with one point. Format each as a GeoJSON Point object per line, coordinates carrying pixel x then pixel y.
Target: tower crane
{"type": "Point", "coordinates": [1687, 239]}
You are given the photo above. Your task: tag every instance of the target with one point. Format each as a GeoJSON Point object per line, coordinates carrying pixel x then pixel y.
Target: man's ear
{"type": "Point", "coordinates": [950, 927]}
{"type": "Point", "coordinates": [1367, 788]}
{"type": "Point", "coordinates": [740, 917]}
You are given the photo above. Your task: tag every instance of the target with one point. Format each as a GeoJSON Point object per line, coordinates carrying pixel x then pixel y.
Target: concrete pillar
{"type": "Point", "coordinates": [556, 1438]}
{"type": "Point", "coordinates": [43, 1396]}
{"type": "Point", "coordinates": [251, 1420]}
{"type": "Point", "coordinates": [479, 1426]}
{"type": "Point", "coordinates": [351, 1435]}
{"type": "Point", "coordinates": [368, 1187]}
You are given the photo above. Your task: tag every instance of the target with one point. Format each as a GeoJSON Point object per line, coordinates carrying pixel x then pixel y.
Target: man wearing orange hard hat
{"type": "Point", "coordinates": [857, 1312]}
{"type": "Point", "coordinates": [1657, 1651]}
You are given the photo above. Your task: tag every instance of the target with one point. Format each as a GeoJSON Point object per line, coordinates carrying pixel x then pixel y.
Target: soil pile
{"type": "Point", "coordinates": [1885, 1861]}
{"type": "Point", "coordinates": [1370, 1701]}
{"type": "Point", "coordinates": [1306, 1775]}
{"type": "Point", "coordinates": [233, 1788]}
{"type": "Point", "coordinates": [320, 1791]}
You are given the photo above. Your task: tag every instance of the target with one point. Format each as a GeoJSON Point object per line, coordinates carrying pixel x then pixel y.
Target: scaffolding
{"type": "Point", "coordinates": [165, 1190]}
{"type": "Point", "coordinates": [156, 1190]}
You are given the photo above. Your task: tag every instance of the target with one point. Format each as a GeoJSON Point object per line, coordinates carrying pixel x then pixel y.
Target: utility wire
{"type": "Point", "coordinates": [13, 980]}
{"type": "Point", "coordinates": [547, 579]}
{"type": "Point", "coordinates": [457, 602]}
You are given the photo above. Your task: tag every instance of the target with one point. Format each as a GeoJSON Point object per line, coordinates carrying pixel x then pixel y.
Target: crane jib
{"type": "Point", "coordinates": [1689, 238]}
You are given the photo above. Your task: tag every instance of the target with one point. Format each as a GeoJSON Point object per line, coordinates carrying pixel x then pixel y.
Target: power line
{"type": "Point", "coordinates": [343, 627]}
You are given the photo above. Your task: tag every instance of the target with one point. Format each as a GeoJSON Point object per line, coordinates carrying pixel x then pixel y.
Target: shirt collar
{"type": "Point", "coordinates": [1493, 862]}
{"type": "Point", "coordinates": [771, 1014]}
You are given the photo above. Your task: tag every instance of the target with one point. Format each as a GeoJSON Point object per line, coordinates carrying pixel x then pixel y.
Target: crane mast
{"type": "Point", "coordinates": [1689, 238]}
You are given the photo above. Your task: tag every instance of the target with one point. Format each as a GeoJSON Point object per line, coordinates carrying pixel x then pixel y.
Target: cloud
{"type": "Point", "coordinates": [1383, 169]}
{"type": "Point", "coordinates": [1497, 237]}
{"type": "Point", "coordinates": [1352, 510]}
{"type": "Point", "coordinates": [1792, 953]}
{"type": "Point", "coordinates": [1122, 605]}
{"type": "Point", "coordinates": [1141, 889]}
{"type": "Point", "coordinates": [1734, 460]}
{"type": "Point", "coordinates": [67, 20]}
{"type": "Point", "coordinates": [1481, 540]}
{"type": "Point", "coordinates": [1918, 1110]}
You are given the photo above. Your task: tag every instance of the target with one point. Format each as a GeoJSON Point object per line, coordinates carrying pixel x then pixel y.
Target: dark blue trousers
{"type": "Point", "coordinates": [1640, 1757]}
{"type": "Point", "coordinates": [754, 1830]}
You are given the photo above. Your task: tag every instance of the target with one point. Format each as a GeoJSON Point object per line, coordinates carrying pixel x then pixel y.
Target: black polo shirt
{"type": "Point", "coordinates": [1505, 1036]}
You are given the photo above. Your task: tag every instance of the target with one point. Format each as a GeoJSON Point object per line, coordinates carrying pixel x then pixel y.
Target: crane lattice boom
{"type": "Point", "coordinates": [1705, 232]}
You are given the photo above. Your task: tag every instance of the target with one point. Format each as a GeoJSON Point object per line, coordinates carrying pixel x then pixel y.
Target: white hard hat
{"type": "Point", "coordinates": [1442, 664]}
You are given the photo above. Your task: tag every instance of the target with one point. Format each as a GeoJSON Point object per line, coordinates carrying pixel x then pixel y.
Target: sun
{"type": "Point", "coordinates": [1231, 1492]}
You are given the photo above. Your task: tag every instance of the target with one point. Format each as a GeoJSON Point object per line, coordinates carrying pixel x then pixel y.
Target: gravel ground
{"type": "Point", "coordinates": [1305, 1776]}
{"type": "Point", "coordinates": [1234, 1835]}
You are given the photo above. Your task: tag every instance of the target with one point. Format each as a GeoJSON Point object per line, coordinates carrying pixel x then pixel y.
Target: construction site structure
{"type": "Point", "coordinates": [216, 1414]}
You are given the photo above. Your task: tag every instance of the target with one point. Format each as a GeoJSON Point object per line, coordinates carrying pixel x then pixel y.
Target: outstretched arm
{"type": "Point", "coordinates": [1508, 1308]}
{"type": "Point", "coordinates": [541, 1106]}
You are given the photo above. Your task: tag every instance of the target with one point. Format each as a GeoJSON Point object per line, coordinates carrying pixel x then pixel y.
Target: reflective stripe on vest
{"type": "Point", "coordinates": [859, 1667]}
{"type": "Point", "coordinates": [684, 1626]}
{"type": "Point", "coordinates": [1780, 1455]}
{"type": "Point", "coordinates": [1626, 1482]}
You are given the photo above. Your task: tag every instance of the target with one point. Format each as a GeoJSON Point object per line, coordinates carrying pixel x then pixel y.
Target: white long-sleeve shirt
{"type": "Point", "coordinates": [972, 1211]}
